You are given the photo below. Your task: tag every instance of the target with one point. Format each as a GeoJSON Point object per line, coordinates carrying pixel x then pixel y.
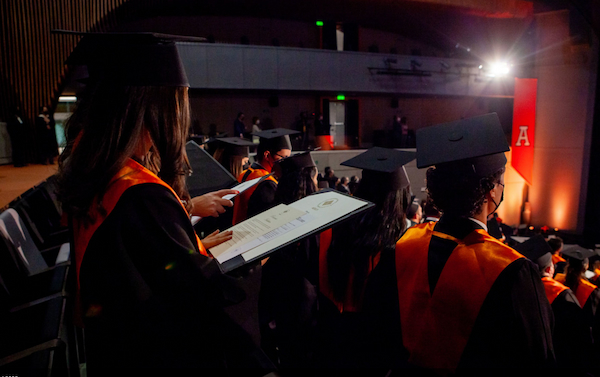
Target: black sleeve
{"type": "Point", "coordinates": [572, 337]}
{"type": "Point", "coordinates": [383, 334]}
{"type": "Point", "coordinates": [514, 326]}
{"type": "Point", "coordinates": [592, 318]}
{"type": "Point", "coordinates": [262, 198]}
{"type": "Point", "coordinates": [160, 300]}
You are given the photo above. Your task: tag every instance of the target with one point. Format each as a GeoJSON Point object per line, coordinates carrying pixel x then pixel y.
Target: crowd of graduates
{"type": "Point", "coordinates": [395, 288]}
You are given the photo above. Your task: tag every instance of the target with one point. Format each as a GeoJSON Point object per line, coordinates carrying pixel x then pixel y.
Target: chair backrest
{"type": "Point", "coordinates": [13, 230]}
{"type": "Point", "coordinates": [41, 209]}
{"type": "Point", "coordinates": [51, 186]}
{"type": "Point", "coordinates": [23, 209]}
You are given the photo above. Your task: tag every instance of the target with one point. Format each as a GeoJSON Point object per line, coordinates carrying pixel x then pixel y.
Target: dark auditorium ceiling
{"type": "Point", "coordinates": [486, 28]}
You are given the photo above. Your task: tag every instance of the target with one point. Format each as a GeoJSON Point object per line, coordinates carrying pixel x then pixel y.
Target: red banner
{"type": "Point", "coordinates": [523, 132]}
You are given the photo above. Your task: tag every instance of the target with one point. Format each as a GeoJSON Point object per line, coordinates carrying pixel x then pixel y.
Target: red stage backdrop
{"type": "Point", "coordinates": [523, 132]}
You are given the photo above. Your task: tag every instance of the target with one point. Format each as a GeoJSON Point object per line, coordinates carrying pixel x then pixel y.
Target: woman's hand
{"type": "Point", "coordinates": [211, 204]}
{"type": "Point", "coordinates": [217, 238]}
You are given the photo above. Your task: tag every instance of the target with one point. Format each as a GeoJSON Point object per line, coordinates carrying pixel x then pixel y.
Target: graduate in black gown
{"type": "Point", "coordinates": [232, 153]}
{"type": "Point", "coordinates": [571, 336]}
{"type": "Point", "coordinates": [278, 145]}
{"type": "Point", "coordinates": [288, 297]}
{"type": "Point", "coordinates": [148, 293]}
{"type": "Point", "coordinates": [347, 255]}
{"type": "Point", "coordinates": [587, 294]}
{"type": "Point", "coordinates": [462, 299]}
{"type": "Point", "coordinates": [274, 145]}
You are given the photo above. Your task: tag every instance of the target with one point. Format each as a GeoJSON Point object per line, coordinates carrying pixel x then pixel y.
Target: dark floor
{"type": "Point", "coordinates": [15, 181]}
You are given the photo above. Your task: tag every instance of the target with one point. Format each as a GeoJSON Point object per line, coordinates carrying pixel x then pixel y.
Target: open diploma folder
{"type": "Point", "coordinates": [283, 225]}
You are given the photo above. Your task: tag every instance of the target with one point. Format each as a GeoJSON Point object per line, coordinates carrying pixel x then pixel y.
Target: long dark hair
{"type": "Point", "coordinates": [229, 161]}
{"type": "Point", "coordinates": [356, 242]}
{"type": "Point", "coordinates": [574, 269]}
{"type": "Point", "coordinates": [105, 130]}
{"type": "Point", "coordinates": [296, 185]}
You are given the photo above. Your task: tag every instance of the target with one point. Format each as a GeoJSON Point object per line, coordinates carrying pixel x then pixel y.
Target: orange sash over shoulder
{"type": "Point", "coordinates": [130, 175]}
{"type": "Point", "coordinates": [583, 291]}
{"type": "Point", "coordinates": [553, 288]}
{"type": "Point", "coordinates": [436, 328]}
{"type": "Point", "coordinates": [240, 207]}
{"type": "Point", "coordinates": [557, 258]}
{"type": "Point", "coordinates": [348, 305]}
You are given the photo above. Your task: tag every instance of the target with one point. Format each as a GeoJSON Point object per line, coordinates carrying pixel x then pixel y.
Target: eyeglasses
{"type": "Point", "coordinates": [280, 156]}
{"type": "Point", "coordinates": [502, 184]}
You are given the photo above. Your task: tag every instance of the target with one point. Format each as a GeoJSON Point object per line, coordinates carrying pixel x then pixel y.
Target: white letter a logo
{"type": "Point", "coordinates": [522, 136]}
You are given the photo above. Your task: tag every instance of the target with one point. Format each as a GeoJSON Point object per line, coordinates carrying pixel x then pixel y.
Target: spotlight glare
{"type": "Point", "coordinates": [480, 66]}
{"type": "Point", "coordinates": [499, 69]}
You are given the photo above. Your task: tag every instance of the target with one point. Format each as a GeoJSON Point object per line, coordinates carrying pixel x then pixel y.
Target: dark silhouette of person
{"type": "Point", "coordinates": [17, 131]}
{"type": "Point", "coordinates": [45, 126]}
{"type": "Point", "coordinates": [239, 128]}
{"type": "Point", "coordinates": [320, 127]}
{"type": "Point", "coordinates": [407, 139]}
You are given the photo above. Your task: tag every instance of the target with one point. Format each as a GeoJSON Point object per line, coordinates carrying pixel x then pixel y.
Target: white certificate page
{"type": "Point", "coordinates": [316, 211]}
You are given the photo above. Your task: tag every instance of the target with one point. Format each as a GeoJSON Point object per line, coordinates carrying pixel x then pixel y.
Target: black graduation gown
{"type": "Point", "coordinates": [571, 336]}
{"type": "Point", "coordinates": [287, 305]}
{"type": "Point", "coordinates": [150, 300]}
{"type": "Point", "coordinates": [262, 198]}
{"type": "Point", "coordinates": [591, 313]}
{"type": "Point", "coordinates": [345, 340]}
{"type": "Point", "coordinates": [512, 330]}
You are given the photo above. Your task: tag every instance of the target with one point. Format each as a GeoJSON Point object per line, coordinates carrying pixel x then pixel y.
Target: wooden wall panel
{"type": "Point", "coordinates": [32, 59]}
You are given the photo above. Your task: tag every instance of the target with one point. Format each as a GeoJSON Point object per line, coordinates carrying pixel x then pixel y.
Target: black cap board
{"type": "Point", "coordinates": [296, 162]}
{"type": "Point", "coordinates": [537, 250]}
{"type": "Point", "coordinates": [235, 146]}
{"type": "Point", "coordinates": [577, 252]}
{"type": "Point", "coordinates": [207, 174]}
{"type": "Point", "coordinates": [131, 59]}
{"type": "Point", "coordinates": [383, 166]}
{"type": "Point", "coordinates": [474, 145]}
{"type": "Point", "coordinates": [275, 139]}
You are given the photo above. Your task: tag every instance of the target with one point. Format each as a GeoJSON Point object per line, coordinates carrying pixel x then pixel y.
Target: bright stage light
{"type": "Point", "coordinates": [499, 69]}
{"type": "Point", "coordinates": [67, 99]}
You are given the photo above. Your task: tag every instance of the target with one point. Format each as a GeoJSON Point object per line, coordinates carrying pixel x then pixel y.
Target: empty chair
{"type": "Point", "coordinates": [36, 324]}
{"type": "Point", "coordinates": [33, 259]}
{"type": "Point", "coordinates": [41, 215]}
{"type": "Point", "coordinates": [35, 339]}
{"type": "Point", "coordinates": [28, 272]}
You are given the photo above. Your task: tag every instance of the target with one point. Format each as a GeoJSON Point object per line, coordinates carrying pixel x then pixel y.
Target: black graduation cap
{"type": "Point", "coordinates": [275, 139]}
{"type": "Point", "coordinates": [131, 59]}
{"type": "Point", "coordinates": [296, 162]}
{"type": "Point", "coordinates": [383, 166]}
{"type": "Point", "coordinates": [577, 252]}
{"type": "Point", "coordinates": [207, 174]}
{"type": "Point", "coordinates": [537, 250]}
{"type": "Point", "coordinates": [474, 145]}
{"type": "Point", "coordinates": [235, 146]}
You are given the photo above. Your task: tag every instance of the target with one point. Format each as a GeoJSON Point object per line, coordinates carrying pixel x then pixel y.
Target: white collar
{"type": "Point", "coordinates": [484, 226]}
